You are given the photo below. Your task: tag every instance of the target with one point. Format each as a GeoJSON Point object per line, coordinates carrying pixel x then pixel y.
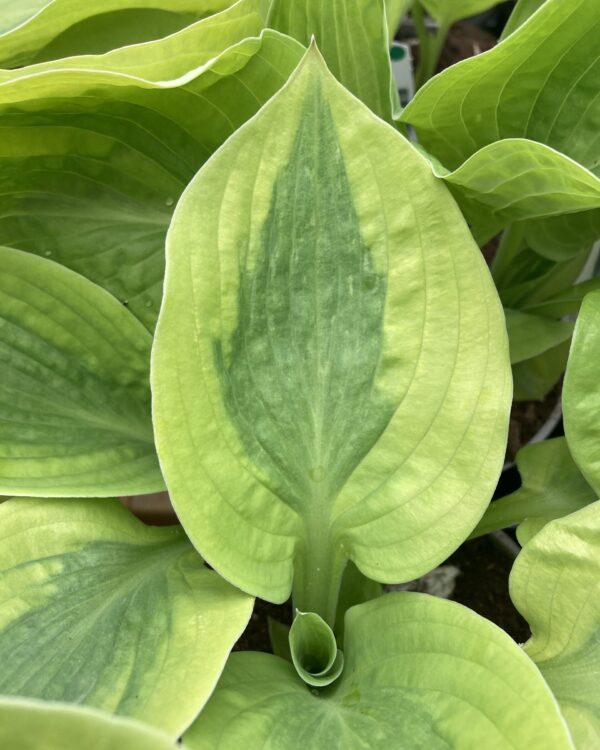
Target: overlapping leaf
{"type": "Point", "coordinates": [95, 155]}
{"type": "Point", "coordinates": [555, 586]}
{"type": "Point", "coordinates": [539, 84]}
{"type": "Point", "coordinates": [97, 608]}
{"type": "Point", "coordinates": [75, 392]}
{"type": "Point", "coordinates": [581, 395]}
{"type": "Point", "coordinates": [552, 487]}
{"type": "Point", "coordinates": [352, 37]}
{"type": "Point", "coordinates": [62, 28]}
{"type": "Point", "coordinates": [420, 672]}
{"type": "Point", "coordinates": [447, 12]}
{"type": "Point", "coordinates": [330, 371]}
{"type": "Point", "coordinates": [531, 335]}
{"type": "Point", "coordinates": [516, 179]}
{"type": "Point", "coordinates": [31, 725]}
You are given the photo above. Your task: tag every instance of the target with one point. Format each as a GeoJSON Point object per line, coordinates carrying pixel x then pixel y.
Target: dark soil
{"type": "Point", "coordinates": [464, 40]}
{"type": "Point", "coordinates": [483, 585]}
{"type": "Point", "coordinates": [527, 417]}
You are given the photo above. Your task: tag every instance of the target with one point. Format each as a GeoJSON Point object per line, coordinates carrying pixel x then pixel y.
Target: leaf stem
{"type": "Point", "coordinates": [511, 243]}
{"type": "Point", "coordinates": [318, 575]}
{"type": "Point", "coordinates": [430, 46]}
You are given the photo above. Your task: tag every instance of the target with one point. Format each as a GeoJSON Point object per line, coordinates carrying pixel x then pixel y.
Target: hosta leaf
{"type": "Point", "coordinates": [516, 179]}
{"type": "Point", "coordinates": [581, 394]}
{"type": "Point", "coordinates": [560, 237]}
{"type": "Point", "coordinates": [64, 28]}
{"type": "Point", "coordinates": [352, 37]}
{"type": "Point", "coordinates": [523, 10]}
{"type": "Point", "coordinates": [534, 378]}
{"type": "Point", "coordinates": [531, 335]}
{"type": "Point", "coordinates": [314, 651]}
{"type": "Point", "coordinates": [540, 83]}
{"type": "Point", "coordinates": [330, 370]}
{"type": "Point", "coordinates": [75, 392]}
{"type": "Point", "coordinates": [97, 608]}
{"type": "Point", "coordinates": [555, 585]}
{"type": "Point", "coordinates": [566, 302]}
{"type": "Point", "coordinates": [395, 10]}
{"type": "Point", "coordinates": [552, 486]}
{"type": "Point", "coordinates": [33, 725]}
{"type": "Point", "coordinates": [446, 12]}
{"type": "Point", "coordinates": [93, 161]}
{"type": "Point", "coordinates": [13, 14]}
{"type": "Point", "coordinates": [420, 672]}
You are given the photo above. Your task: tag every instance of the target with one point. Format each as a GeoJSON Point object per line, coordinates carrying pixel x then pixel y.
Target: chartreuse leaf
{"type": "Point", "coordinates": [446, 12]}
{"type": "Point", "coordinates": [75, 392]}
{"type": "Point", "coordinates": [352, 37]}
{"type": "Point", "coordinates": [395, 10]}
{"type": "Point", "coordinates": [552, 486]}
{"type": "Point", "coordinates": [314, 650]}
{"type": "Point", "coordinates": [530, 335]}
{"type": "Point", "coordinates": [97, 608]}
{"type": "Point", "coordinates": [33, 725]}
{"type": "Point", "coordinates": [95, 157]}
{"type": "Point", "coordinates": [554, 584]}
{"type": "Point", "coordinates": [521, 12]}
{"type": "Point", "coordinates": [539, 84]}
{"type": "Point", "coordinates": [581, 394]}
{"type": "Point", "coordinates": [420, 672]}
{"type": "Point", "coordinates": [516, 179]}
{"type": "Point", "coordinates": [534, 377]}
{"type": "Point", "coordinates": [330, 371]}
{"type": "Point", "coordinates": [14, 14]}
{"type": "Point", "coordinates": [63, 28]}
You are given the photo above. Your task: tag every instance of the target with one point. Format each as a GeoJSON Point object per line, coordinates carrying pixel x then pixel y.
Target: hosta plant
{"type": "Point", "coordinates": [325, 391]}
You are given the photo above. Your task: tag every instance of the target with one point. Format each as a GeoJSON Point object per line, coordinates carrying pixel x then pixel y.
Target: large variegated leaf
{"type": "Point", "coordinates": [352, 37]}
{"type": "Point", "coordinates": [93, 158]}
{"type": "Point", "coordinates": [555, 586]}
{"type": "Point", "coordinates": [37, 725]}
{"type": "Point", "coordinates": [540, 84]}
{"type": "Point", "coordinates": [330, 371]}
{"type": "Point", "coordinates": [581, 395]}
{"type": "Point", "coordinates": [63, 28]}
{"type": "Point", "coordinates": [420, 672]}
{"type": "Point", "coordinates": [75, 392]}
{"type": "Point", "coordinates": [552, 486]}
{"type": "Point", "coordinates": [97, 608]}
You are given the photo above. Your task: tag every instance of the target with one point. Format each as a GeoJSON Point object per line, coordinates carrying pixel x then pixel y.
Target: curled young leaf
{"type": "Point", "coordinates": [330, 371]}
{"type": "Point", "coordinates": [97, 608]}
{"type": "Point", "coordinates": [314, 650]}
{"type": "Point", "coordinates": [75, 393]}
{"type": "Point", "coordinates": [581, 393]}
{"type": "Point", "coordinates": [555, 585]}
{"type": "Point", "coordinates": [420, 672]}
{"type": "Point", "coordinates": [32, 725]}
